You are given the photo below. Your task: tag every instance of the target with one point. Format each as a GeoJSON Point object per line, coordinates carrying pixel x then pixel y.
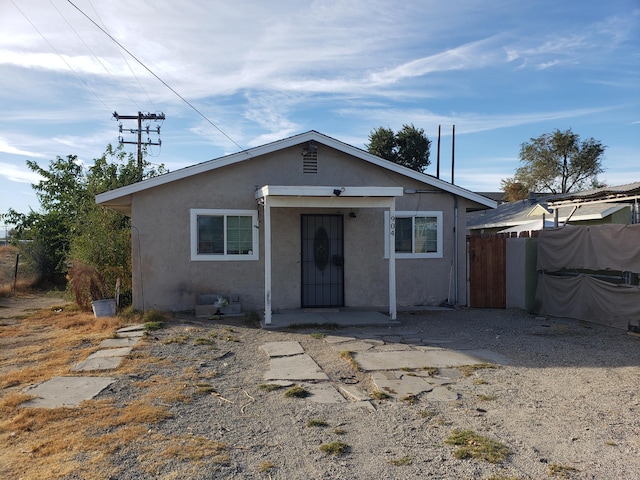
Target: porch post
{"type": "Point", "coordinates": [267, 261]}
{"type": "Point", "coordinates": [392, 260]}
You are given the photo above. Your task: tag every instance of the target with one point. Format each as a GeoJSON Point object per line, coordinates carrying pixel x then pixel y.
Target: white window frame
{"type": "Point", "coordinates": [216, 257]}
{"type": "Point", "coordinates": [413, 214]}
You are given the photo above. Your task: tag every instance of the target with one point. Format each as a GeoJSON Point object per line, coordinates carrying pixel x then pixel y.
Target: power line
{"type": "Point", "coordinates": [156, 76]}
{"type": "Point", "coordinates": [59, 55]}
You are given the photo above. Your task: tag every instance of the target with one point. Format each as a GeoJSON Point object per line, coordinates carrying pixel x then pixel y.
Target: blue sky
{"type": "Point", "coordinates": [501, 71]}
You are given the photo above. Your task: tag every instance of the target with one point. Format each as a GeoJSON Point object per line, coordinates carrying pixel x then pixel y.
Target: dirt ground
{"type": "Point", "coordinates": [190, 402]}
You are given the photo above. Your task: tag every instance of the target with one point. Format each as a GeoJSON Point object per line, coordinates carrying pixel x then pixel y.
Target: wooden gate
{"type": "Point", "coordinates": [487, 275]}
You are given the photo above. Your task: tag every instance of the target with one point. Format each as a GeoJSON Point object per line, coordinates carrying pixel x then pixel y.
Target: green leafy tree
{"type": "Point", "coordinates": [559, 162]}
{"type": "Point", "coordinates": [409, 147]}
{"type": "Point", "coordinates": [70, 229]}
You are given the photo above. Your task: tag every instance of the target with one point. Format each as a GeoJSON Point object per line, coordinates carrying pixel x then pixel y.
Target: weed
{"type": "Point", "coordinates": [611, 443]}
{"type": "Point", "coordinates": [231, 338]}
{"type": "Point", "coordinates": [410, 399]}
{"type": "Point", "coordinates": [380, 395]}
{"type": "Point", "coordinates": [266, 466]}
{"type": "Point", "coordinates": [252, 319]}
{"type": "Point", "coordinates": [334, 448]}
{"type": "Point", "coordinates": [407, 369]}
{"type": "Point", "coordinates": [398, 462]}
{"type": "Point", "coordinates": [431, 370]}
{"type": "Point", "coordinates": [486, 398]}
{"type": "Point", "coordinates": [468, 370]}
{"type": "Point", "coordinates": [203, 341]}
{"type": "Point", "coordinates": [427, 414]}
{"type": "Point", "coordinates": [213, 335]}
{"type": "Point", "coordinates": [479, 381]}
{"type": "Point", "coordinates": [154, 315]}
{"type": "Point", "coordinates": [204, 388]}
{"type": "Point", "coordinates": [269, 387]}
{"type": "Point", "coordinates": [297, 392]}
{"type": "Point", "coordinates": [348, 356]}
{"type": "Point", "coordinates": [153, 325]}
{"type": "Point", "coordinates": [560, 470]}
{"type": "Point", "coordinates": [472, 445]}
{"type": "Point", "coordinates": [317, 423]}
{"type": "Point", "coordinates": [339, 431]}
{"type": "Point", "coordinates": [317, 335]}
{"type": "Point", "coordinates": [180, 339]}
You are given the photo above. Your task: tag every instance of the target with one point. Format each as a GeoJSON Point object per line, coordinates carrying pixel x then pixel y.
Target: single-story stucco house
{"type": "Point", "coordinates": [302, 222]}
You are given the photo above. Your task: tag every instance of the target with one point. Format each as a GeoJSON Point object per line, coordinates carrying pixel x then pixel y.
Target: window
{"type": "Point", "coordinates": [224, 234]}
{"type": "Point", "coordinates": [417, 234]}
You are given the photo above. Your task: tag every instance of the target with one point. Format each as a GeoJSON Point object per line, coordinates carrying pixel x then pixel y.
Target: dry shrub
{"type": "Point", "coordinates": [87, 284]}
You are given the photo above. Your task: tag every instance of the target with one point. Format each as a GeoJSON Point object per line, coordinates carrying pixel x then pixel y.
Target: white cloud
{"type": "Point", "coordinates": [14, 173]}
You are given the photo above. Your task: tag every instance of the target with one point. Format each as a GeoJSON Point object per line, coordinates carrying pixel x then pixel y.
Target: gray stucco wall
{"type": "Point", "coordinates": [164, 276]}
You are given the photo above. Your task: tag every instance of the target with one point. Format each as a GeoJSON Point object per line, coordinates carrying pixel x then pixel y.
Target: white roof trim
{"type": "Point", "coordinates": [322, 191]}
{"type": "Point", "coordinates": [106, 197]}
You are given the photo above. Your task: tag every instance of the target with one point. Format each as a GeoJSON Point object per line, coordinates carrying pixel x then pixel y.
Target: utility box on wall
{"type": "Point", "coordinates": [521, 273]}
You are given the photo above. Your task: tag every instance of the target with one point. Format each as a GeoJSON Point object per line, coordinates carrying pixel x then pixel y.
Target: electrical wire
{"type": "Point", "coordinates": [94, 55]}
{"type": "Point", "coordinates": [157, 77]}
{"type": "Point", "coordinates": [125, 60]}
{"type": "Point", "coordinates": [60, 55]}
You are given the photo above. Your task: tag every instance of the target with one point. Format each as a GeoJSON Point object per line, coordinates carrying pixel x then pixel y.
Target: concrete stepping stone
{"type": "Point", "coordinates": [99, 363]}
{"type": "Point", "coordinates": [131, 328]}
{"type": "Point", "coordinates": [111, 352]}
{"type": "Point", "coordinates": [398, 385]}
{"type": "Point", "coordinates": [282, 349]}
{"type": "Point", "coordinates": [371, 361]}
{"type": "Point", "coordinates": [323, 393]}
{"type": "Point", "coordinates": [137, 333]}
{"type": "Point", "coordinates": [297, 367]}
{"type": "Point", "coordinates": [332, 339]}
{"type": "Point", "coordinates": [441, 394]}
{"type": "Point", "coordinates": [66, 391]}
{"type": "Point", "coordinates": [119, 342]}
{"type": "Point", "coordinates": [354, 346]}
{"type": "Point", "coordinates": [354, 393]}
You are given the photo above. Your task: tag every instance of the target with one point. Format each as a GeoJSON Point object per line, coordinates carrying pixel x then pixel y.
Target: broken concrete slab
{"type": "Point", "coordinates": [354, 393]}
{"type": "Point", "coordinates": [399, 385]}
{"type": "Point", "coordinates": [392, 347]}
{"type": "Point", "coordinates": [119, 342]}
{"type": "Point", "coordinates": [111, 352]}
{"type": "Point", "coordinates": [131, 328]}
{"type": "Point", "coordinates": [297, 367]}
{"type": "Point", "coordinates": [332, 339]}
{"type": "Point", "coordinates": [441, 394]}
{"type": "Point", "coordinates": [282, 349]}
{"type": "Point", "coordinates": [66, 391]}
{"type": "Point", "coordinates": [354, 346]}
{"type": "Point", "coordinates": [137, 333]}
{"type": "Point", "coordinates": [323, 393]}
{"type": "Point", "coordinates": [97, 363]}
{"type": "Point", "coordinates": [393, 360]}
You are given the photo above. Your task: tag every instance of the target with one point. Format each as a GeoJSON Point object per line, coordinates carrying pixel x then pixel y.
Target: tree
{"type": "Point", "coordinates": [513, 191]}
{"type": "Point", "coordinates": [558, 162]}
{"type": "Point", "coordinates": [70, 228]}
{"type": "Point", "coordinates": [408, 147]}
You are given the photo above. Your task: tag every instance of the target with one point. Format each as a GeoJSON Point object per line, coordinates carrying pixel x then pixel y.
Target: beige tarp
{"type": "Point", "coordinates": [595, 247]}
{"type": "Point", "coordinates": [588, 298]}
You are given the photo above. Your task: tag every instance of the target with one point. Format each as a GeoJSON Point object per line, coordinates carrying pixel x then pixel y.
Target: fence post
{"type": "Point", "coordinates": [15, 273]}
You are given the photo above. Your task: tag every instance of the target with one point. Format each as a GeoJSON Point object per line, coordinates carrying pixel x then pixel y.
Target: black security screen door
{"type": "Point", "coordinates": [322, 261]}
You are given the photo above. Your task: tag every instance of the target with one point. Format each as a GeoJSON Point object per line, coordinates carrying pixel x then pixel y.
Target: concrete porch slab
{"type": "Point", "coordinates": [317, 317]}
{"type": "Point", "coordinates": [111, 352]}
{"type": "Point", "coordinates": [66, 391]}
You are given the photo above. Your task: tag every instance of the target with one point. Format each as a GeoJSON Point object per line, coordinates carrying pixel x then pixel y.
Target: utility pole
{"type": "Point", "coordinates": [138, 131]}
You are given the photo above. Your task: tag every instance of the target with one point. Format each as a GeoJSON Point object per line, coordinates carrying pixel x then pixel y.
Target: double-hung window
{"type": "Point", "coordinates": [224, 234]}
{"type": "Point", "coordinates": [416, 234]}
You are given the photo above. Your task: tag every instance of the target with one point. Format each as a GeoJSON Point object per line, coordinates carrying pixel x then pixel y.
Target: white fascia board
{"type": "Point", "coordinates": [327, 191]}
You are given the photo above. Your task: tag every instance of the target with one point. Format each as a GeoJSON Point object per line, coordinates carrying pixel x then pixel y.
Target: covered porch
{"type": "Point", "coordinates": [325, 197]}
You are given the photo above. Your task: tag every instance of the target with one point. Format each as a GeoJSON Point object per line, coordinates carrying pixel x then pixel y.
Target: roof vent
{"type": "Point", "coordinates": [310, 162]}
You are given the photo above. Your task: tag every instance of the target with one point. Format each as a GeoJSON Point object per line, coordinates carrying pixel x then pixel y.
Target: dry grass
{"type": "Point", "coordinates": [27, 277]}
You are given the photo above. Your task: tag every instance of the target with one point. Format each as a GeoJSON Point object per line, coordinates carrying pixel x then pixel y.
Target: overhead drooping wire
{"type": "Point", "coordinates": [156, 76]}
{"type": "Point", "coordinates": [60, 55]}
{"type": "Point", "coordinates": [125, 60]}
{"type": "Point", "coordinates": [94, 55]}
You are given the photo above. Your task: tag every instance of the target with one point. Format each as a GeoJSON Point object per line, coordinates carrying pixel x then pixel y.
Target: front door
{"type": "Point", "coordinates": [322, 261]}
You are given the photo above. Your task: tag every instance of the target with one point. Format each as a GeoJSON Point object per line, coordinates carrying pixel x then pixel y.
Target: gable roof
{"type": "Point", "coordinates": [617, 193]}
{"type": "Point", "coordinates": [119, 199]}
